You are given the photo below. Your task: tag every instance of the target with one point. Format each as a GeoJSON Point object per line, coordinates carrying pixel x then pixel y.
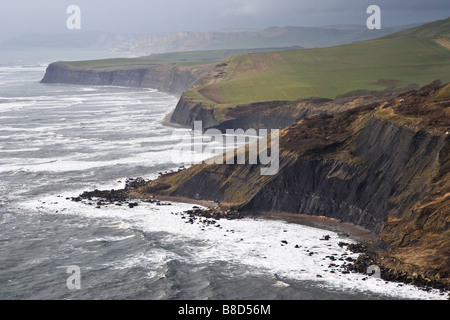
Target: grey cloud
{"type": "Point", "coordinates": [153, 17]}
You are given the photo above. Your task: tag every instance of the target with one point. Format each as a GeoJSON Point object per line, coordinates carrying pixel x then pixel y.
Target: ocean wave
{"type": "Point", "coordinates": [292, 252]}
{"type": "Point", "coordinates": [110, 239]}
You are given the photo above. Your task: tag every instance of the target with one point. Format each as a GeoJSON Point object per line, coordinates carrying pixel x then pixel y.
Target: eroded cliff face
{"type": "Point", "coordinates": [381, 177]}
{"type": "Point", "coordinates": [382, 169]}
{"type": "Point", "coordinates": [383, 166]}
{"type": "Point", "coordinates": [166, 78]}
{"type": "Point", "coordinates": [188, 111]}
{"type": "Point", "coordinates": [262, 115]}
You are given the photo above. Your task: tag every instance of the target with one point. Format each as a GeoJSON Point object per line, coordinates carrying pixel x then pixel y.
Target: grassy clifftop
{"type": "Point", "coordinates": [328, 72]}
{"type": "Point", "coordinates": [180, 59]}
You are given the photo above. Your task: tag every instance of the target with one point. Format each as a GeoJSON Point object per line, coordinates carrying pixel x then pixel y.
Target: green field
{"type": "Point", "coordinates": [186, 59]}
{"type": "Point", "coordinates": [406, 59]}
{"type": "Point", "coordinates": [329, 72]}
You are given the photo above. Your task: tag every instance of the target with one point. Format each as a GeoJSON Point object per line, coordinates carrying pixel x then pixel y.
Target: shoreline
{"type": "Point", "coordinates": [365, 240]}
{"type": "Point", "coordinates": [321, 222]}
{"type": "Point", "coordinates": [354, 231]}
{"type": "Point", "coordinates": [204, 203]}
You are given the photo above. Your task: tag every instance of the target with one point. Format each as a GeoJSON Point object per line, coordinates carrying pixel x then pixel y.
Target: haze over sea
{"type": "Point", "coordinates": [57, 141]}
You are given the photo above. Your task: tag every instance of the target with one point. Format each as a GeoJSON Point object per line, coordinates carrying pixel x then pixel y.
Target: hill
{"type": "Point", "coordinates": [439, 28]}
{"type": "Point", "coordinates": [389, 64]}
{"type": "Point", "coordinates": [328, 72]}
{"type": "Point", "coordinates": [182, 59]}
{"type": "Point", "coordinates": [171, 72]}
{"type": "Point", "coordinates": [307, 37]}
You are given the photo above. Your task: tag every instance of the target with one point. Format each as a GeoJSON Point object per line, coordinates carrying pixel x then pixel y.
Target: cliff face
{"type": "Point", "coordinates": [383, 166]}
{"type": "Point", "coordinates": [361, 177]}
{"type": "Point", "coordinates": [187, 112]}
{"type": "Point", "coordinates": [166, 78]}
{"type": "Point", "coordinates": [262, 115]}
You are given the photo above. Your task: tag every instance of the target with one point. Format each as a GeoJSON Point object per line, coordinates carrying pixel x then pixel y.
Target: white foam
{"type": "Point", "coordinates": [70, 164]}
{"type": "Point", "coordinates": [256, 243]}
{"type": "Point", "coordinates": [109, 239]}
{"type": "Point", "coordinates": [88, 89]}
{"type": "Point", "coordinates": [11, 106]}
{"type": "Point", "coordinates": [18, 150]}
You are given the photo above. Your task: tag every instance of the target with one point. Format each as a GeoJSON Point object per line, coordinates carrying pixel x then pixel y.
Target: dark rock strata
{"type": "Point", "coordinates": [262, 115]}
{"type": "Point", "coordinates": [188, 111]}
{"type": "Point", "coordinates": [390, 160]}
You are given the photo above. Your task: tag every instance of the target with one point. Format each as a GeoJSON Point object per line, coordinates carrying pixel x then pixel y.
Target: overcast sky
{"type": "Point", "coordinates": [156, 17]}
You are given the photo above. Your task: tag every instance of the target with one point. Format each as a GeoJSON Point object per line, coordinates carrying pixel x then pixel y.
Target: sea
{"type": "Point", "coordinates": [57, 141]}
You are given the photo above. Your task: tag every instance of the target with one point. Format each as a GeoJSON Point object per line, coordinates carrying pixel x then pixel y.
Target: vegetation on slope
{"type": "Point", "coordinates": [329, 72]}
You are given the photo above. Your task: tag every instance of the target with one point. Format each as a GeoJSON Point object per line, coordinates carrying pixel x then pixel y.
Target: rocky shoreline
{"type": "Point", "coordinates": [368, 257]}
{"type": "Point", "coordinates": [210, 216]}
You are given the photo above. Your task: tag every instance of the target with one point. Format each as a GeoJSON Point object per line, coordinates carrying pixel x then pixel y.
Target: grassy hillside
{"type": "Point", "coordinates": [189, 58]}
{"type": "Point", "coordinates": [381, 64]}
{"type": "Point", "coordinates": [439, 28]}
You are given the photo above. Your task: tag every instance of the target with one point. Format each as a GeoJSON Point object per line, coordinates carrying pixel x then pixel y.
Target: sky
{"type": "Point", "coordinates": [18, 17]}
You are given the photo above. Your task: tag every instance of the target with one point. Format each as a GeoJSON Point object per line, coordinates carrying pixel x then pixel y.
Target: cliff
{"type": "Point", "coordinates": [262, 115]}
{"type": "Point", "coordinates": [383, 165]}
{"type": "Point", "coordinates": [167, 78]}
{"type": "Point", "coordinates": [187, 111]}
